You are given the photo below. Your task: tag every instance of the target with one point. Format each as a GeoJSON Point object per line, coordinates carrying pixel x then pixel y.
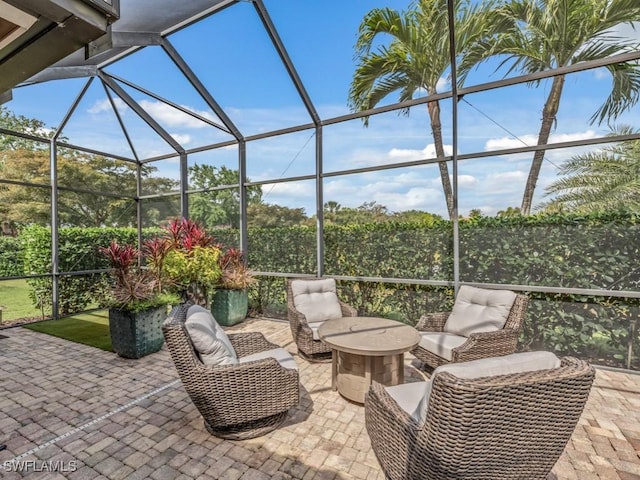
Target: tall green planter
{"type": "Point", "coordinates": [134, 335]}
{"type": "Point", "coordinates": [230, 307]}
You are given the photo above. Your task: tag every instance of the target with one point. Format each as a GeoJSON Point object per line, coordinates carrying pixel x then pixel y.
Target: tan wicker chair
{"type": "Point", "coordinates": [236, 401]}
{"type": "Point", "coordinates": [308, 347]}
{"type": "Point", "coordinates": [504, 427]}
{"type": "Point", "coordinates": [477, 345]}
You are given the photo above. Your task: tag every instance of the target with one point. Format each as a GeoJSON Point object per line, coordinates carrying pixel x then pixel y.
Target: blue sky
{"type": "Point", "coordinates": [232, 55]}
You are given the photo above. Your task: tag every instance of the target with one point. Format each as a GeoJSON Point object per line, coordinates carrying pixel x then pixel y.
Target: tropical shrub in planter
{"type": "Point", "coordinates": [185, 259]}
{"type": "Point", "coordinates": [138, 305]}
{"type": "Point", "coordinates": [230, 302]}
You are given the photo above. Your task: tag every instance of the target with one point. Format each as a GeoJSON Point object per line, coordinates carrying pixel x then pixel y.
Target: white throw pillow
{"type": "Point", "coordinates": [479, 310]}
{"type": "Point", "coordinates": [488, 367]}
{"type": "Point", "coordinates": [317, 300]}
{"type": "Point", "coordinates": [208, 338]}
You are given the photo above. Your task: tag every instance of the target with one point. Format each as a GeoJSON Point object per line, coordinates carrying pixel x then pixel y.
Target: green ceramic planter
{"type": "Point", "coordinates": [230, 307]}
{"type": "Point", "coordinates": [134, 335]}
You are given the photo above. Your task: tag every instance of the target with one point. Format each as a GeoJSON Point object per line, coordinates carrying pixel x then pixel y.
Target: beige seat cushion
{"type": "Point", "coordinates": [488, 367]}
{"type": "Point", "coordinates": [479, 310]}
{"type": "Point", "coordinates": [408, 397]}
{"type": "Point", "coordinates": [280, 354]}
{"type": "Point", "coordinates": [317, 300]}
{"type": "Point", "coordinates": [441, 343]}
{"type": "Point", "coordinates": [209, 339]}
{"type": "Point", "coordinates": [314, 326]}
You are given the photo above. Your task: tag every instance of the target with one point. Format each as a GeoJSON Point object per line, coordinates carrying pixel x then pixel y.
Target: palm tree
{"type": "Point", "coordinates": [604, 180]}
{"type": "Point", "coordinates": [415, 60]}
{"type": "Point", "coordinates": [547, 34]}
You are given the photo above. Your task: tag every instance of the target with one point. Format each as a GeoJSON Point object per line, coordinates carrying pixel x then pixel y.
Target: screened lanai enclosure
{"type": "Point", "coordinates": [324, 142]}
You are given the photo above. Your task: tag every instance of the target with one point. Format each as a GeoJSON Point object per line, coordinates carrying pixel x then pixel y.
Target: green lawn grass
{"type": "Point", "coordinates": [15, 301]}
{"type": "Point", "coordinates": [87, 328]}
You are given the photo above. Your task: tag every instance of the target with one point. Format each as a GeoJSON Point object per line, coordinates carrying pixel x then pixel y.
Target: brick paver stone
{"type": "Point", "coordinates": [52, 387]}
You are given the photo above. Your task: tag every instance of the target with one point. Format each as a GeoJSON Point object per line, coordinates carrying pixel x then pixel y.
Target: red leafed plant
{"type": "Point", "coordinates": [155, 251]}
{"type": "Point", "coordinates": [185, 234]}
{"type": "Point", "coordinates": [235, 274]}
{"type": "Point", "coordinates": [122, 257]}
{"type": "Point", "coordinates": [134, 288]}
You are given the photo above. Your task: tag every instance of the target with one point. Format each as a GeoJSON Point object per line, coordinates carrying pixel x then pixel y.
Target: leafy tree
{"type": "Point", "coordinates": [220, 206]}
{"type": "Point", "coordinates": [509, 212]}
{"type": "Point", "coordinates": [33, 166]}
{"type": "Point", "coordinates": [268, 215]}
{"type": "Point", "coordinates": [20, 204]}
{"type": "Point", "coordinates": [330, 211]}
{"type": "Point", "coordinates": [599, 181]}
{"type": "Point", "coordinates": [368, 212]}
{"type": "Point", "coordinates": [372, 212]}
{"type": "Point", "coordinates": [30, 204]}
{"type": "Point", "coordinates": [415, 60]}
{"type": "Point", "coordinates": [547, 34]}
{"type": "Point", "coordinates": [475, 213]}
{"type": "Point", "coordinates": [20, 123]}
{"type": "Point", "coordinates": [425, 218]}
{"type": "Point", "coordinates": [27, 161]}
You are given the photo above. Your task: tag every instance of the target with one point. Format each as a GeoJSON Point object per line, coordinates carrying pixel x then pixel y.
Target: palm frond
{"type": "Point", "coordinates": [624, 93]}
{"type": "Point", "coordinates": [606, 179]}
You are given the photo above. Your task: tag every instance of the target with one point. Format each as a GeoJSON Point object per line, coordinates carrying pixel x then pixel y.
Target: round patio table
{"type": "Point", "coordinates": [365, 349]}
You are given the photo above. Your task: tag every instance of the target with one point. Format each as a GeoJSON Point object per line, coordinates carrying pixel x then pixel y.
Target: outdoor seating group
{"type": "Point", "coordinates": [486, 412]}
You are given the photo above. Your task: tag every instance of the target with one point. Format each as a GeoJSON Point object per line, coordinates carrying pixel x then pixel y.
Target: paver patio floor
{"type": "Point", "coordinates": [94, 415]}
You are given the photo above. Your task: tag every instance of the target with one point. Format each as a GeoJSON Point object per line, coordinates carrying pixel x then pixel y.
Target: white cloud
{"type": "Point", "coordinates": [555, 155]}
{"type": "Point", "coordinates": [491, 184]}
{"type": "Point", "coordinates": [40, 131]}
{"type": "Point", "coordinates": [601, 74]}
{"type": "Point", "coordinates": [532, 140]}
{"type": "Point", "coordinates": [507, 176]}
{"type": "Point", "coordinates": [627, 32]}
{"type": "Point", "coordinates": [104, 105]}
{"type": "Point", "coordinates": [392, 192]}
{"type": "Point", "coordinates": [352, 195]}
{"type": "Point", "coordinates": [172, 117]}
{"type": "Point", "coordinates": [504, 182]}
{"type": "Point", "coordinates": [467, 180]}
{"type": "Point", "coordinates": [404, 154]}
{"type": "Point", "coordinates": [444, 84]}
{"type": "Point", "coordinates": [413, 199]}
{"type": "Point", "coordinates": [298, 191]}
{"type": "Point", "coordinates": [182, 139]}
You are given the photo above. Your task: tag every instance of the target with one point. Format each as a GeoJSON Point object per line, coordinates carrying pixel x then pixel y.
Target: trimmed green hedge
{"type": "Point", "coordinates": [78, 251]}
{"type": "Point", "coordinates": [11, 257]}
{"type": "Point", "coordinates": [598, 251]}
{"type": "Point", "coordinates": [594, 252]}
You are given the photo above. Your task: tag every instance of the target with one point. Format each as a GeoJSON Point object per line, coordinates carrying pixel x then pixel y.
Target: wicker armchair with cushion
{"type": "Point", "coordinates": [503, 418]}
{"type": "Point", "coordinates": [242, 384]}
{"type": "Point", "coordinates": [483, 323]}
{"type": "Point", "coordinates": [310, 302]}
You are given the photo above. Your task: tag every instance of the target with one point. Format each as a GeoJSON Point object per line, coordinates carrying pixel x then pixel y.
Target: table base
{"type": "Point", "coordinates": [352, 374]}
